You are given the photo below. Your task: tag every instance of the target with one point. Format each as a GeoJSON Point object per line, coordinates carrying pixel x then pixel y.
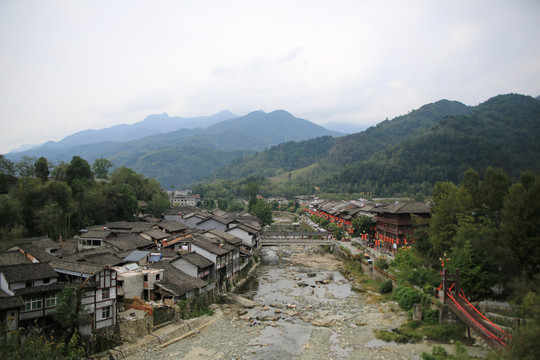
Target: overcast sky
{"type": "Point", "coordinates": [70, 65]}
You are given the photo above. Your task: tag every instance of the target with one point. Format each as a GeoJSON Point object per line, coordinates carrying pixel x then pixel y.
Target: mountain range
{"type": "Point", "coordinates": [178, 151]}
{"type": "Point", "coordinates": [405, 155]}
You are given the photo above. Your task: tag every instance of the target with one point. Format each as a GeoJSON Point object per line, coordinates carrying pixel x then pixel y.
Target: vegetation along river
{"type": "Point", "coordinates": [299, 306]}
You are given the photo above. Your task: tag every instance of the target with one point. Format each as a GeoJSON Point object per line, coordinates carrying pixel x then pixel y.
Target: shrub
{"type": "Point", "coordinates": [381, 264]}
{"type": "Point", "coordinates": [407, 296]}
{"type": "Point", "coordinates": [386, 287]}
{"type": "Point", "coordinates": [445, 332]}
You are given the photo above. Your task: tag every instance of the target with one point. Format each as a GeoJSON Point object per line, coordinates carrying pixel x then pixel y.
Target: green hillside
{"type": "Point", "coordinates": [407, 155]}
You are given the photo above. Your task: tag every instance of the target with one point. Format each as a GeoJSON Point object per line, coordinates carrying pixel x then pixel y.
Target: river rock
{"type": "Point", "coordinates": [242, 301]}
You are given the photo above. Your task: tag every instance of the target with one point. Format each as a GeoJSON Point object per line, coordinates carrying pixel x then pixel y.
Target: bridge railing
{"type": "Point", "coordinates": [494, 340]}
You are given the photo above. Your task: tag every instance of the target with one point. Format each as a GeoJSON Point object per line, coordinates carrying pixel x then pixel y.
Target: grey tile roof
{"type": "Point", "coordinates": [129, 242]}
{"type": "Point", "coordinates": [404, 208]}
{"type": "Point", "coordinates": [27, 272]}
{"type": "Point", "coordinates": [95, 234]}
{"type": "Point", "coordinates": [106, 259]}
{"type": "Point", "coordinates": [205, 244]}
{"type": "Point", "coordinates": [156, 234]}
{"type": "Point", "coordinates": [176, 281]}
{"type": "Point", "coordinates": [171, 226]}
{"type": "Point", "coordinates": [14, 257]}
{"type": "Point", "coordinates": [137, 256]}
{"type": "Point", "coordinates": [197, 259]}
{"type": "Point", "coordinates": [52, 287]}
{"type": "Point", "coordinates": [43, 242]}
{"type": "Point", "coordinates": [231, 239]}
{"type": "Point", "coordinates": [180, 209]}
{"type": "Point", "coordinates": [10, 302]}
{"type": "Point", "coordinates": [83, 268]}
{"type": "Point", "coordinates": [36, 252]}
{"type": "Point", "coordinates": [134, 227]}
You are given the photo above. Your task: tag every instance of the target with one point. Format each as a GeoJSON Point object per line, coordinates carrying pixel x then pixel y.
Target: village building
{"type": "Point", "coordinates": [394, 223]}
{"type": "Point", "coordinates": [98, 284]}
{"type": "Point", "coordinates": [194, 265]}
{"type": "Point", "coordinates": [28, 295]}
{"type": "Point", "coordinates": [91, 239]}
{"type": "Point", "coordinates": [177, 285]}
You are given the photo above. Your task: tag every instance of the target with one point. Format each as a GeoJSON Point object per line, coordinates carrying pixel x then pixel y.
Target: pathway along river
{"type": "Point", "coordinates": [301, 308]}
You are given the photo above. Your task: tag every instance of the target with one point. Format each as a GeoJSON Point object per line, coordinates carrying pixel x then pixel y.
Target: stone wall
{"type": "Point", "coordinates": [131, 330]}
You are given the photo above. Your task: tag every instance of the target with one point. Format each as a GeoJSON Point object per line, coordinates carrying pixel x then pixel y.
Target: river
{"type": "Point", "coordinates": [299, 306]}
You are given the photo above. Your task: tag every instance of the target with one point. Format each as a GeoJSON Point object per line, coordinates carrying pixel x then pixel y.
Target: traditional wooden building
{"type": "Point", "coordinates": [394, 223]}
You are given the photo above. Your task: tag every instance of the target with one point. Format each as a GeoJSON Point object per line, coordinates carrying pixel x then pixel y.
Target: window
{"type": "Point", "coordinates": [105, 293]}
{"type": "Point", "coordinates": [33, 304]}
{"type": "Point", "coordinates": [51, 301]}
{"type": "Point", "coordinates": [106, 312]}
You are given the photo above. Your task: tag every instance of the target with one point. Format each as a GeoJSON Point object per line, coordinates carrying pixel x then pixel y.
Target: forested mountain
{"type": "Point", "coordinates": [335, 153]}
{"type": "Point", "coordinates": [184, 156]}
{"type": "Point", "coordinates": [407, 155]}
{"type": "Point", "coordinates": [502, 132]}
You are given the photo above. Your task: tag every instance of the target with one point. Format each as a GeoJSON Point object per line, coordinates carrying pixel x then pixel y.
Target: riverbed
{"type": "Point", "coordinates": [298, 306]}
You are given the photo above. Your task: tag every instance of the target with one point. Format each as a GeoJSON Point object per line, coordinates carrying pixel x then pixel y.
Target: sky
{"type": "Point", "coordinates": [71, 65]}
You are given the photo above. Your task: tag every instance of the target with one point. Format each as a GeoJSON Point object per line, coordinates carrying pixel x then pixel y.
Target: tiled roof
{"type": "Point", "coordinates": [197, 259]}
{"type": "Point", "coordinates": [107, 259]}
{"type": "Point", "coordinates": [156, 234]}
{"type": "Point", "coordinates": [176, 281]}
{"type": "Point", "coordinates": [137, 256]}
{"type": "Point", "coordinates": [27, 272]}
{"type": "Point", "coordinates": [52, 287]}
{"type": "Point", "coordinates": [231, 239]}
{"type": "Point", "coordinates": [247, 229]}
{"type": "Point", "coordinates": [404, 208]}
{"type": "Point", "coordinates": [83, 268]}
{"type": "Point", "coordinates": [129, 242]}
{"type": "Point", "coordinates": [10, 302]}
{"type": "Point", "coordinates": [205, 244]}
{"type": "Point", "coordinates": [95, 234]}
{"type": "Point", "coordinates": [36, 252]}
{"type": "Point", "coordinates": [171, 226]}
{"type": "Point", "coordinates": [13, 258]}
{"type": "Point", "coordinates": [43, 242]}
{"type": "Point", "coordinates": [185, 209]}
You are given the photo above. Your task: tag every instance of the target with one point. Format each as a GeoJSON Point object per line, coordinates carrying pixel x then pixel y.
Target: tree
{"type": "Point", "coordinates": [101, 167]}
{"type": "Point", "coordinates": [493, 190]}
{"type": "Point", "coordinates": [262, 210]}
{"type": "Point", "coordinates": [78, 174]}
{"type": "Point", "coordinates": [234, 206]}
{"type": "Point", "coordinates": [25, 167]}
{"type": "Point", "coordinates": [362, 225]}
{"type": "Point", "coordinates": [126, 204]}
{"type": "Point", "coordinates": [10, 215]}
{"type": "Point", "coordinates": [7, 167]}
{"type": "Point", "coordinates": [158, 204]}
{"type": "Point", "coordinates": [449, 202]}
{"type": "Point", "coordinates": [520, 224]}
{"type": "Point", "coordinates": [41, 169]}
{"type": "Point", "coordinates": [48, 220]}
{"type": "Point", "coordinates": [58, 171]}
